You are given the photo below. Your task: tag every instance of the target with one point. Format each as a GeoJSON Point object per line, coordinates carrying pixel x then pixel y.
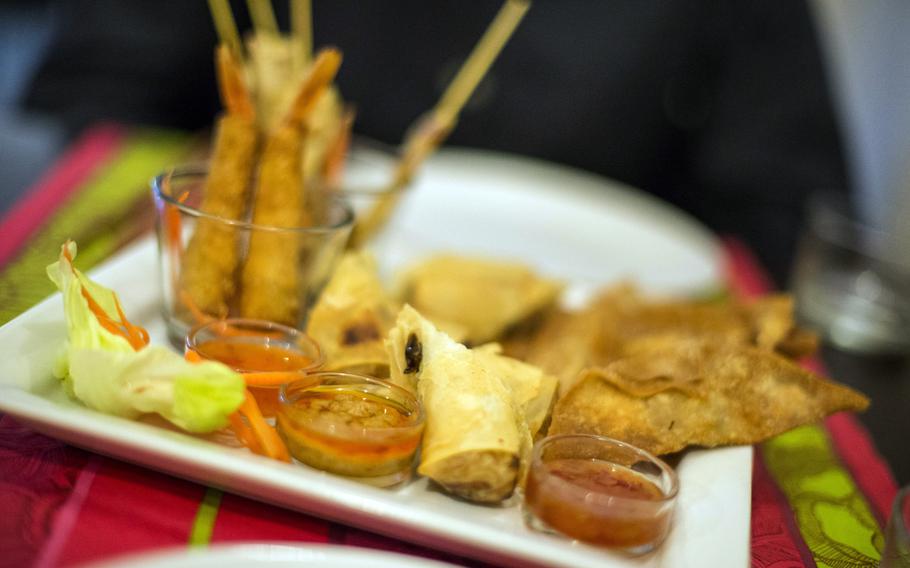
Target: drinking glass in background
{"type": "Point", "coordinates": [897, 533]}
{"type": "Point", "coordinates": [314, 250]}
{"type": "Point", "coordinates": [852, 281]}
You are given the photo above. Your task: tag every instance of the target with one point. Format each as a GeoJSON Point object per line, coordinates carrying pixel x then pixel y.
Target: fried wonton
{"type": "Point", "coordinates": [669, 395]}
{"type": "Point", "coordinates": [774, 328]}
{"type": "Point", "coordinates": [352, 317]}
{"type": "Point", "coordinates": [621, 321]}
{"type": "Point", "coordinates": [482, 298]}
{"type": "Point", "coordinates": [563, 343]}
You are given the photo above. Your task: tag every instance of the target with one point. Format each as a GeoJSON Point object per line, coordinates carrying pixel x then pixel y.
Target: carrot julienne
{"type": "Point", "coordinates": [136, 335]}
{"type": "Point", "coordinates": [267, 441]}
{"type": "Point", "coordinates": [245, 434]}
{"type": "Point", "coordinates": [271, 378]}
{"type": "Point", "coordinates": [192, 356]}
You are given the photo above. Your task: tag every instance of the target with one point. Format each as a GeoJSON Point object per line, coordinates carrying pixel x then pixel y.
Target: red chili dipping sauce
{"type": "Point", "coordinates": [598, 502]}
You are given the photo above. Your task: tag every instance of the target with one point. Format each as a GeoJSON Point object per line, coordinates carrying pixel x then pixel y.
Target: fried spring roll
{"type": "Point", "coordinates": [475, 437]}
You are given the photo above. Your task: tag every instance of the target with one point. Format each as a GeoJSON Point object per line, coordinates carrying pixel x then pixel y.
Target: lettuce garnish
{"type": "Point", "coordinates": [109, 366]}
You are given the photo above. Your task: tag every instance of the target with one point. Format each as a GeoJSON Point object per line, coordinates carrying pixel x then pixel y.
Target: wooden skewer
{"type": "Point", "coordinates": [263, 16]}
{"type": "Point", "coordinates": [225, 25]}
{"type": "Point", "coordinates": [430, 130]}
{"type": "Point", "coordinates": [302, 26]}
{"type": "Point", "coordinates": [481, 58]}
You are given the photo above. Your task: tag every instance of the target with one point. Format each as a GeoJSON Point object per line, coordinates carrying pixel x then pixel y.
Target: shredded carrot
{"type": "Point", "coordinates": [271, 378]}
{"type": "Point", "coordinates": [244, 433]}
{"type": "Point", "coordinates": [136, 335]}
{"type": "Point", "coordinates": [192, 356]}
{"type": "Point", "coordinates": [270, 443]}
{"type": "Point", "coordinates": [245, 414]}
{"type": "Point", "coordinates": [198, 315]}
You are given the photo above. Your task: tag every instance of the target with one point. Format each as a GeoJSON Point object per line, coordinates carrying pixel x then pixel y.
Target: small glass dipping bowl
{"type": "Point", "coordinates": [357, 426]}
{"type": "Point", "coordinates": [261, 347]}
{"type": "Point", "coordinates": [600, 491]}
{"type": "Point", "coordinates": [203, 257]}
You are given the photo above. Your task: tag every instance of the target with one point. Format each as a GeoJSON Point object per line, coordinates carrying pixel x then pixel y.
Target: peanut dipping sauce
{"type": "Point", "coordinates": [361, 429]}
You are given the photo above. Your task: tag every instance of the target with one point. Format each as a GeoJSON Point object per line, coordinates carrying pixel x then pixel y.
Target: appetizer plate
{"type": "Point", "coordinates": [576, 226]}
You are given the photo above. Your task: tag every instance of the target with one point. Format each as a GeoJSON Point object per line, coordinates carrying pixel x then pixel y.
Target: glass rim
{"type": "Point", "coordinates": [827, 207]}
{"type": "Point", "coordinates": [312, 380]}
{"type": "Point", "coordinates": [317, 361]}
{"type": "Point", "coordinates": [666, 496]}
{"type": "Point", "coordinates": [158, 183]}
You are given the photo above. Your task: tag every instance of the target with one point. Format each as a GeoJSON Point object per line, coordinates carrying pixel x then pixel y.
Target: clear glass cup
{"type": "Point", "coordinates": [852, 281]}
{"type": "Point", "coordinates": [600, 491]}
{"type": "Point", "coordinates": [201, 257]}
{"type": "Point", "coordinates": [897, 533]}
{"type": "Point", "coordinates": [361, 427]}
{"type": "Point", "coordinates": [275, 353]}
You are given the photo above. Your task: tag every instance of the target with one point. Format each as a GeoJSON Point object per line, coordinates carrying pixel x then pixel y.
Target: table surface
{"type": "Point", "coordinates": [91, 194]}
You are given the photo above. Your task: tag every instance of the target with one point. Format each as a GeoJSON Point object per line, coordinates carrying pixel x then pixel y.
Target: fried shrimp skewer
{"type": "Point", "coordinates": [270, 277]}
{"type": "Point", "coordinates": [212, 255]}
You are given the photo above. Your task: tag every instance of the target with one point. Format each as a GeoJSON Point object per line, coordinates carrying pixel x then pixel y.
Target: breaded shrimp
{"type": "Point", "coordinates": [270, 279]}
{"type": "Point", "coordinates": [212, 255]}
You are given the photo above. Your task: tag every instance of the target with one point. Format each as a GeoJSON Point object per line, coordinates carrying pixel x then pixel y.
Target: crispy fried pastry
{"type": "Point", "coordinates": [352, 317]}
{"type": "Point", "coordinates": [213, 252]}
{"type": "Point", "coordinates": [483, 297]}
{"type": "Point", "coordinates": [673, 394]}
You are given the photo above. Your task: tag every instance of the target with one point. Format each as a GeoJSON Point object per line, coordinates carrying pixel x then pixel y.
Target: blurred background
{"type": "Point", "coordinates": [734, 111]}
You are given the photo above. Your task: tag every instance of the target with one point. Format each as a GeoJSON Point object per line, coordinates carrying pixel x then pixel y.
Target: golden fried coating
{"type": "Point", "coordinates": [211, 258]}
{"type": "Point", "coordinates": [671, 395]}
{"type": "Point", "coordinates": [482, 297]}
{"type": "Point", "coordinates": [352, 317]}
{"type": "Point", "coordinates": [270, 280]}
{"type": "Point", "coordinates": [619, 319]}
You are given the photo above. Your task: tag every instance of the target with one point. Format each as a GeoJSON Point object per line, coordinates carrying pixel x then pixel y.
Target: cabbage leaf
{"type": "Point", "coordinates": [105, 372]}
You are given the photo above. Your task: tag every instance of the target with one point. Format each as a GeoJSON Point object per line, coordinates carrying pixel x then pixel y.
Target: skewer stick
{"type": "Point", "coordinates": [302, 26]}
{"type": "Point", "coordinates": [431, 130]}
{"type": "Point", "coordinates": [263, 16]}
{"type": "Point", "coordinates": [480, 60]}
{"type": "Point", "coordinates": [225, 25]}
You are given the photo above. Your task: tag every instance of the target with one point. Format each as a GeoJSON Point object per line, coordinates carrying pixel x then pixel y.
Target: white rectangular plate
{"type": "Point", "coordinates": [711, 526]}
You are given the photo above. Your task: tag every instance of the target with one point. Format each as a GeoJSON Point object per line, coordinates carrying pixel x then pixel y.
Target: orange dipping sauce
{"type": "Point", "coordinates": [260, 347]}
{"type": "Point", "coordinates": [259, 358]}
{"type": "Point", "coordinates": [598, 501]}
{"type": "Point", "coordinates": [253, 357]}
